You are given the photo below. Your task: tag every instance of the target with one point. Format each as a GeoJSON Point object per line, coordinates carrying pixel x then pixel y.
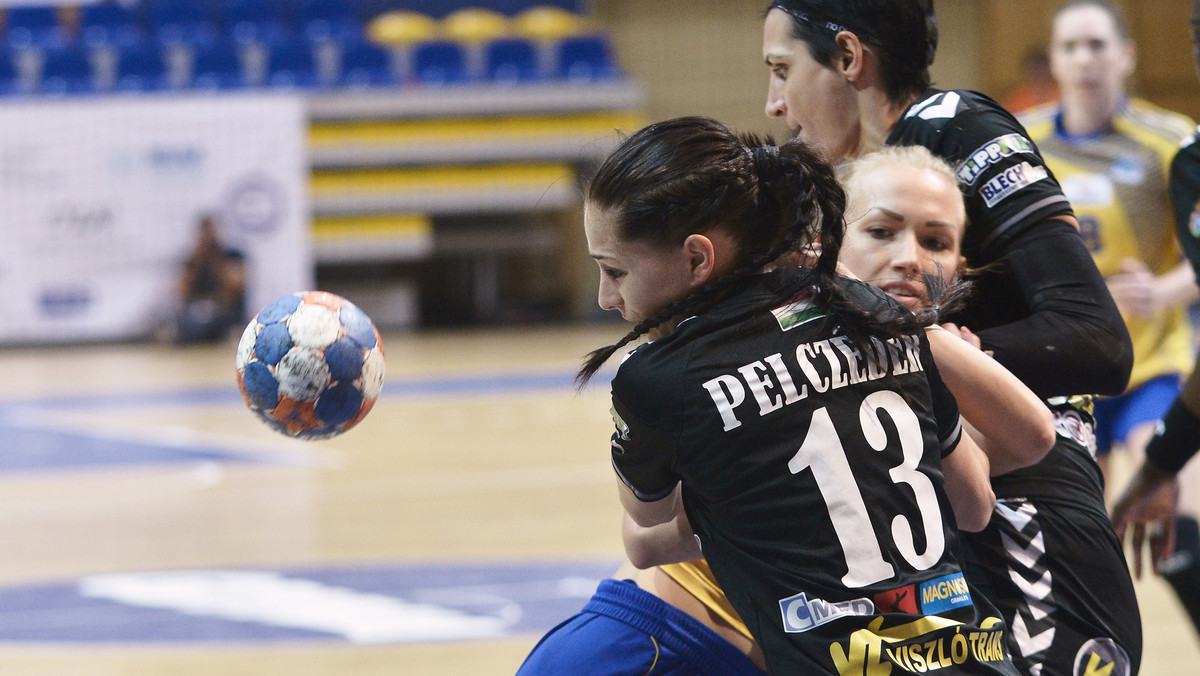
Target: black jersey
{"type": "Point", "coordinates": [812, 476]}
{"type": "Point", "coordinates": [1038, 304]}
{"type": "Point", "coordinates": [1185, 196]}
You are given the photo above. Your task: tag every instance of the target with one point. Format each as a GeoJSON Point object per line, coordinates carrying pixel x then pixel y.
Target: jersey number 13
{"type": "Point", "coordinates": [823, 453]}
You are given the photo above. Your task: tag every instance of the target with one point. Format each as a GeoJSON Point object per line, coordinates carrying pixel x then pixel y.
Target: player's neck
{"type": "Point", "coordinates": [1089, 116]}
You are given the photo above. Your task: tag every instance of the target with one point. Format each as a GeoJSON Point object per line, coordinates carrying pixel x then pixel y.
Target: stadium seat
{"type": "Point", "coordinates": [34, 26]}
{"type": "Point", "coordinates": [585, 59]}
{"type": "Point", "coordinates": [67, 70]}
{"type": "Point", "coordinates": [256, 21]}
{"type": "Point", "coordinates": [401, 28]}
{"type": "Point", "coordinates": [217, 65]}
{"type": "Point", "coordinates": [366, 65]}
{"type": "Point", "coordinates": [474, 25]}
{"type": "Point", "coordinates": [108, 25]}
{"type": "Point", "coordinates": [328, 20]}
{"type": "Point", "coordinates": [142, 68]}
{"type": "Point", "coordinates": [547, 23]}
{"type": "Point", "coordinates": [511, 61]}
{"type": "Point", "coordinates": [182, 21]}
{"type": "Point", "coordinates": [439, 62]}
{"type": "Point", "coordinates": [292, 65]}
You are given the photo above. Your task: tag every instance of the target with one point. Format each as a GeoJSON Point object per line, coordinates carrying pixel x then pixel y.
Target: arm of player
{"type": "Point", "coordinates": [670, 542]}
{"type": "Point", "coordinates": [1139, 292]}
{"type": "Point", "coordinates": [1152, 495]}
{"type": "Point", "coordinates": [1074, 340]}
{"type": "Point", "coordinates": [1011, 425]}
{"type": "Point", "coordinates": [967, 485]}
{"type": "Point", "coordinates": [648, 514]}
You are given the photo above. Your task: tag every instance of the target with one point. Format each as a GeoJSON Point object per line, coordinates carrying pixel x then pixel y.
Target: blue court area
{"type": "Point", "coordinates": [358, 605]}
{"type": "Point", "coordinates": [42, 435]}
{"type": "Point", "coordinates": [355, 604]}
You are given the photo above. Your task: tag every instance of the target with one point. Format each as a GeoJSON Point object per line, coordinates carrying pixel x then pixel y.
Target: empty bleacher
{"type": "Point", "coordinates": [440, 130]}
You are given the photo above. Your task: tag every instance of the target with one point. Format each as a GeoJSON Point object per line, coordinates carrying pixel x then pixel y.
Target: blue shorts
{"type": "Point", "coordinates": [626, 631]}
{"type": "Point", "coordinates": [1117, 416]}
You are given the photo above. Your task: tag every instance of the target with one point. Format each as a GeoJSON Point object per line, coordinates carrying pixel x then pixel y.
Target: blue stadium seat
{"type": "Point", "coordinates": [142, 68]}
{"type": "Point", "coordinates": [511, 61]}
{"type": "Point", "coordinates": [218, 65]}
{"type": "Point", "coordinates": [10, 80]}
{"type": "Point", "coordinates": [439, 62]}
{"type": "Point", "coordinates": [34, 26]}
{"type": "Point", "coordinates": [188, 22]}
{"type": "Point", "coordinates": [292, 65]}
{"type": "Point", "coordinates": [108, 24]}
{"type": "Point", "coordinates": [366, 65]}
{"type": "Point", "coordinates": [68, 70]}
{"type": "Point", "coordinates": [585, 58]}
{"type": "Point", "coordinates": [260, 21]}
{"type": "Point", "coordinates": [328, 20]}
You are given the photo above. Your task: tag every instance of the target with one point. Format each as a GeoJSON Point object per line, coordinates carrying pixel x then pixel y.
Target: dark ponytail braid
{"type": "Point", "coordinates": [693, 174]}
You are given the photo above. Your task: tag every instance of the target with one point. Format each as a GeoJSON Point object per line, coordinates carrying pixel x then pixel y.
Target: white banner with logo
{"type": "Point", "coordinates": [100, 200]}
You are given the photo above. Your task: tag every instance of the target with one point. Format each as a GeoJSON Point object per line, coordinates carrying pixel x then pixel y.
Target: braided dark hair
{"type": "Point", "coordinates": [904, 33]}
{"type": "Point", "coordinates": [694, 174]}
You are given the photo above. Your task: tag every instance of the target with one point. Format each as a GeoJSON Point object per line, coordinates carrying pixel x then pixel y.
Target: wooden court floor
{"type": "Point", "coordinates": [479, 453]}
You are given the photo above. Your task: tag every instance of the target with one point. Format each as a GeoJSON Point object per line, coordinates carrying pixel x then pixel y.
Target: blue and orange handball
{"type": "Point", "coordinates": [310, 365]}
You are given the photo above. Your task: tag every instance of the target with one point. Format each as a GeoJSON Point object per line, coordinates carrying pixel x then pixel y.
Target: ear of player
{"type": "Point", "coordinates": [310, 365]}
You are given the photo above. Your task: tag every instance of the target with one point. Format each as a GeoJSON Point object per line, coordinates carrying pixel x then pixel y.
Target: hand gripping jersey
{"type": "Point", "coordinates": [812, 476]}
{"type": "Point", "coordinates": [1185, 196]}
{"type": "Point", "coordinates": [1116, 180]}
{"type": "Point", "coordinates": [1038, 302]}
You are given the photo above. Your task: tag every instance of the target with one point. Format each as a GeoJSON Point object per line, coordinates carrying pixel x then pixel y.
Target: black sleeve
{"type": "Point", "coordinates": [1073, 339]}
{"type": "Point", "coordinates": [945, 406]}
{"type": "Point", "coordinates": [1185, 196]}
{"type": "Point", "coordinates": [643, 454]}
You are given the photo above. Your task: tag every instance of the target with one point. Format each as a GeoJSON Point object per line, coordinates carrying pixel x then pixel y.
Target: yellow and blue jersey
{"type": "Point", "coordinates": [1116, 180]}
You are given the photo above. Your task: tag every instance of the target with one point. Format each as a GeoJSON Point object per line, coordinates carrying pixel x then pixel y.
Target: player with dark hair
{"type": "Point", "coordinates": [851, 76]}
{"type": "Point", "coordinates": [773, 400]}
{"type": "Point", "coordinates": [1151, 496]}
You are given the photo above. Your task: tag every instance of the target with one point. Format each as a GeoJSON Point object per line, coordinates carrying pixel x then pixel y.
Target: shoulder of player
{"type": "Point", "coordinates": [1039, 121]}
{"type": "Point", "coordinates": [1187, 161]}
{"type": "Point", "coordinates": [947, 121]}
{"type": "Point", "coordinates": [1158, 122]}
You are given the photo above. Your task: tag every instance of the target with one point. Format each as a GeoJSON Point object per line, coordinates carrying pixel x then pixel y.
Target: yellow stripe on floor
{"type": "Point", "coordinates": [417, 179]}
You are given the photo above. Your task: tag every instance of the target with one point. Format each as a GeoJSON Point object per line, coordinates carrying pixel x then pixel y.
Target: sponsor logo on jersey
{"type": "Point", "coordinates": [1101, 657]}
{"type": "Point", "coordinates": [1194, 221]}
{"type": "Point", "coordinates": [899, 600]}
{"type": "Point", "coordinates": [945, 593]}
{"type": "Point", "coordinates": [800, 614]}
{"type": "Point", "coordinates": [992, 152]}
{"type": "Point", "coordinates": [924, 645]}
{"type": "Point", "coordinates": [1070, 424]}
{"type": "Point", "coordinates": [794, 314]}
{"type": "Point", "coordinates": [1010, 181]}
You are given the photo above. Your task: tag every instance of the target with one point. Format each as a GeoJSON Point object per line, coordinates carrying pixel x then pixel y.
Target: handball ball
{"type": "Point", "coordinates": [310, 365]}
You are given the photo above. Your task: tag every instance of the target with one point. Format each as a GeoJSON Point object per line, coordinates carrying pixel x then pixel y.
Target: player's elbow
{"type": "Point", "coordinates": [1112, 372]}
{"type": "Point", "coordinates": [979, 514]}
{"type": "Point", "coordinates": [1040, 436]}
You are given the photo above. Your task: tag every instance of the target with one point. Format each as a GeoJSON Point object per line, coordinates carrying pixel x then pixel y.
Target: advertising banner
{"type": "Point", "coordinates": [101, 199]}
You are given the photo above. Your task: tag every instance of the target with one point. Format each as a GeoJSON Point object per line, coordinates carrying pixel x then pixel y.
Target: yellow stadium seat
{"type": "Point", "coordinates": [474, 25]}
{"type": "Point", "coordinates": [401, 28]}
{"type": "Point", "coordinates": [544, 22]}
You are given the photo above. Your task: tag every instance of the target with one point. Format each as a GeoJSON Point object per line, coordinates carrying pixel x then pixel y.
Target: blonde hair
{"type": "Point", "coordinates": [915, 157]}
